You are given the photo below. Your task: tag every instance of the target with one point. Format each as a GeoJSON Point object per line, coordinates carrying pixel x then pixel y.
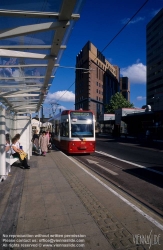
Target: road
{"type": "Point", "coordinates": [136, 169]}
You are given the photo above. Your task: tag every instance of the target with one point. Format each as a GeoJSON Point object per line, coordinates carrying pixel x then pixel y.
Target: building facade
{"type": "Point", "coordinates": [125, 87]}
{"type": "Point", "coordinates": [96, 80]}
{"type": "Point", "coordinates": [154, 54]}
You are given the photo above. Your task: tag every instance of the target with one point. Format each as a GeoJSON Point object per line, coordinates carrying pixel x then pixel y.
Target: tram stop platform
{"type": "Point", "coordinates": [60, 204]}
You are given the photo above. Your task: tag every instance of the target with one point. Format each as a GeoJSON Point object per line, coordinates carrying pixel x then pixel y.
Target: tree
{"type": "Point", "coordinates": [117, 101]}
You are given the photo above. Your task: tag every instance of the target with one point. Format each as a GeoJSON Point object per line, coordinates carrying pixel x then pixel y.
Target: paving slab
{"type": "Point", "coordinates": [56, 200]}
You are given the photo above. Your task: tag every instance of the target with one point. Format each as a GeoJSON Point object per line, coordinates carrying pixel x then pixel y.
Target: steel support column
{"type": "Point", "coordinates": [2, 144]}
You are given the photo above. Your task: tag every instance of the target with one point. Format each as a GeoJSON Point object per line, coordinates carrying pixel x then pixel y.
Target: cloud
{"type": "Point", "coordinates": [141, 98]}
{"type": "Point", "coordinates": [136, 20]}
{"type": "Point", "coordinates": [136, 73]}
{"type": "Point", "coordinates": [138, 60]}
{"type": "Point", "coordinates": [63, 96]}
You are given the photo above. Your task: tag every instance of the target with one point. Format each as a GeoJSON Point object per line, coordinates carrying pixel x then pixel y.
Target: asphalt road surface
{"type": "Point", "coordinates": [135, 168]}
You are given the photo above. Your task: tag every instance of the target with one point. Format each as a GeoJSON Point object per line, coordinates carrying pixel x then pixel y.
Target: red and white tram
{"type": "Point", "coordinates": [74, 131]}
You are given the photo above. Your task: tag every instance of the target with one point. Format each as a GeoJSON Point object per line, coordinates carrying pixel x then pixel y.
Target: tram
{"type": "Point", "coordinates": [74, 131]}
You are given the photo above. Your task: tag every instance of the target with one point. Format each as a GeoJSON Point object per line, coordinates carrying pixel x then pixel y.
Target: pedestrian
{"type": "Point", "coordinates": [47, 134]}
{"type": "Point", "coordinates": [43, 143]}
{"type": "Point", "coordinates": [17, 136]}
{"type": "Point", "coordinates": [16, 151]}
{"type": "Point", "coordinates": [35, 140]}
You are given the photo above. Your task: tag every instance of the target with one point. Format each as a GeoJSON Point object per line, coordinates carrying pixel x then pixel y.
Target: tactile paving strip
{"type": "Point", "coordinates": [116, 234]}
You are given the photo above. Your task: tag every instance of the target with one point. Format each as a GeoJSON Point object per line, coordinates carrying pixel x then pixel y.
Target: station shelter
{"type": "Point", "coordinates": [33, 37]}
{"type": "Point", "coordinates": [106, 122]}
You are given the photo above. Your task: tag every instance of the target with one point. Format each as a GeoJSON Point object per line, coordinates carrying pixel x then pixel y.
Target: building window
{"type": "Point", "coordinates": [96, 90]}
{"type": "Point", "coordinates": [97, 83]}
{"type": "Point", "coordinates": [124, 85]}
{"type": "Point", "coordinates": [97, 98]}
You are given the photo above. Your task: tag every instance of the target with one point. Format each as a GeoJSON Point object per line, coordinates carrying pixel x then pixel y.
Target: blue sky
{"type": "Point", "coordinates": [99, 22]}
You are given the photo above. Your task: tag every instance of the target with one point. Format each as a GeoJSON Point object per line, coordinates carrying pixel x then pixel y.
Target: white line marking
{"type": "Point", "coordinates": [156, 223]}
{"type": "Point", "coordinates": [106, 169]}
{"type": "Point", "coordinates": [134, 164]}
{"type": "Point", "coordinates": [137, 146]}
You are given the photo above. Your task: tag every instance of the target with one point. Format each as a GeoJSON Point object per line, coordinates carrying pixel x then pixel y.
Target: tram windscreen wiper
{"type": "Point", "coordinates": [81, 138]}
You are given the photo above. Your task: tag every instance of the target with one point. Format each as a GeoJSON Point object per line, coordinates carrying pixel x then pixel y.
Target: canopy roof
{"type": "Point", "coordinates": [32, 39]}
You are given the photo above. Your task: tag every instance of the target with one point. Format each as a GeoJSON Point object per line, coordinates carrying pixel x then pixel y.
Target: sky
{"type": "Point", "coordinates": [100, 21]}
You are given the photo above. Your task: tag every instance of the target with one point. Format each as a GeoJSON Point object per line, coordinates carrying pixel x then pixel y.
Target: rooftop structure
{"type": "Point", "coordinates": [154, 40]}
{"type": "Point", "coordinates": [125, 87]}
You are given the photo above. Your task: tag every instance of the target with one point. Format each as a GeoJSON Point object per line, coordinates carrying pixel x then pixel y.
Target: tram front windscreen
{"type": "Point", "coordinates": [81, 124]}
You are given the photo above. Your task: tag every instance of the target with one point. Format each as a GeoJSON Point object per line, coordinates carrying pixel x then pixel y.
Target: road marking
{"type": "Point", "coordinates": [96, 163]}
{"type": "Point", "coordinates": [134, 164]}
{"type": "Point", "coordinates": [138, 146]}
{"type": "Point", "coordinates": [156, 223]}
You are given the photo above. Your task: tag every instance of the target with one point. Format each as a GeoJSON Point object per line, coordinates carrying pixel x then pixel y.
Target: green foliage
{"type": "Point", "coordinates": [117, 101]}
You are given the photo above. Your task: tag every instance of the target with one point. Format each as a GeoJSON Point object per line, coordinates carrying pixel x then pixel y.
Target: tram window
{"type": "Point", "coordinates": [56, 129]}
{"type": "Point", "coordinates": [65, 129]}
{"type": "Point", "coordinates": [75, 128]}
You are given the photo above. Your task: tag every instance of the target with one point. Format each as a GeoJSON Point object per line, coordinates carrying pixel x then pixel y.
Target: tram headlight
{"type": "Point", "coordinates": [89, 121]}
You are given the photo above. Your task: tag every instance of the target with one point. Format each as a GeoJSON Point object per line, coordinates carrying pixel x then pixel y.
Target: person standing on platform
{"type": "Point", "coordinates": [43, 143]}
{"type": "Point", "coordinates": [35, 140]}
{"type": "Point", "coordinates": [47, 134]}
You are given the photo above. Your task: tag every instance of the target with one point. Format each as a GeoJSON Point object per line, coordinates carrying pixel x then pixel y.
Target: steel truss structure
{"type": "Point", "coordinates": [32, 41]}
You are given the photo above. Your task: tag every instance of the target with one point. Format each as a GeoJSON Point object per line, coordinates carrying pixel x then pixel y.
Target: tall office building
{"type": "Point", "coordinates": [154, 47]}
{"type": "Point", "coordinates": [96, 81]}
{"type": "Point", "coordinates": [125, 87]}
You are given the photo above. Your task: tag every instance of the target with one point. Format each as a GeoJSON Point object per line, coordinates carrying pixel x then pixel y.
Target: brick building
{"type": "Point", "coordinates": [96, 80]}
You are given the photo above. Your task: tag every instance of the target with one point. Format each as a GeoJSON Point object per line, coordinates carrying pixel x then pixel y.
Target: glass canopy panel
{"type": "Point", "coordinates": [23, 72]}
{"type": "Point", "coordinates": [12, 62]}
{"type": "Point", "coordinates": [39, 38]}
{"type": "Point", "coordinates": [30, 5]}
{"type": "Point", "coordinates": [23, 81]}
{"type": "Point", "coordinates": [35, 71]}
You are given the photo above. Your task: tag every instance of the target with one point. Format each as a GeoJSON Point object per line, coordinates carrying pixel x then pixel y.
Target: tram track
{"type": "Point", "coordinates": [124, 181]}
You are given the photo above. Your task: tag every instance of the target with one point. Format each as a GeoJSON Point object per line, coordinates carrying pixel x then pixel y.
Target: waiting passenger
{"type": "Point", "coordinates": [17, 136]}
{"type": "Point", "coordinates": [35, 140]}
{"type": "Point", "coordinates": [15, 150]}
{"type": "Point", "coordinates": [43, 143]}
